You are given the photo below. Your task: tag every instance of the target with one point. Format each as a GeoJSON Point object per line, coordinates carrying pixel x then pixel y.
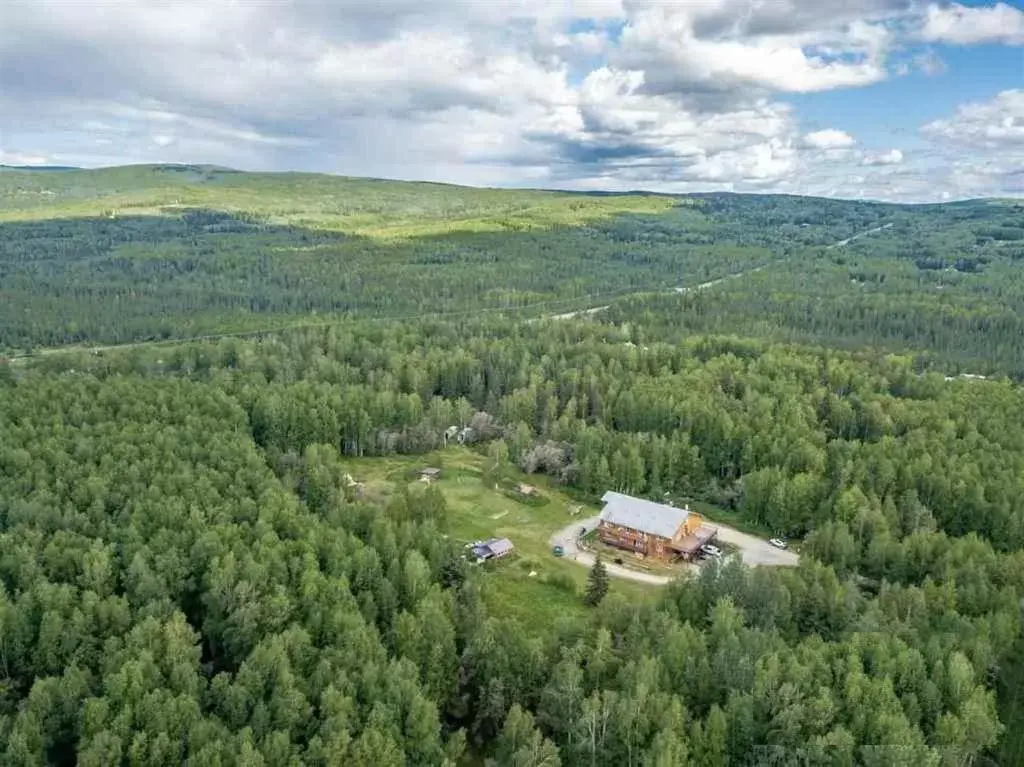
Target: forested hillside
{"type": "Point", "coordinates": [156, 252]}
{"type": "Point", "coordinates": [946, 281]}
{"type": "Point", "coordinates": [189, 573]}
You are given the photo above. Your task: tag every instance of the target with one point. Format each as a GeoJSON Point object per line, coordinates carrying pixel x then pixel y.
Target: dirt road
{"type": "Point", "coordinates": [568, 539]}
{"type": "Point", "coordinates": [848, 240]}
{"type": "Point", "coordinates": [681, 289]}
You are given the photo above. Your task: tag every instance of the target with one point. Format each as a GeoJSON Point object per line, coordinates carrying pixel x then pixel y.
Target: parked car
{"type": "Point", "coordinates": [711, 551]}
{"type": "Point", "coordinates": [777, 543]}
{"type": "Point", "coordinates": [558, 551]}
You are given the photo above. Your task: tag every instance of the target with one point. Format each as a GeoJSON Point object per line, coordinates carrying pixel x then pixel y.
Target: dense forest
{"type": "Point", "coordinates": [945, 281]}
{"type": "Point", "coordinates": [188, 576]}
{"type": "Point", "coordinates": [192, 501]}
{"type": "Point", "coordinates": [163, 252]}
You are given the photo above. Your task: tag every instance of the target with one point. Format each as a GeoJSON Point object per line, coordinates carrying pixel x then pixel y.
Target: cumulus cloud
{"type": "Point", "coordinates": [970, 25]}
{"type": "Point", "coordinates": [983, 143]}
{"type": "Point", "coordinates": [926, 62]}
{"type": "Point", "coordinates": [994, 124]}
{"type": "Point", "coordinates": [892, 157]}
{"type": "Point", "coordinates": [686, 45]}
{"type": "Point", "coordinates": [830, 138]}
{"type": "Point", "coordinates": [611, 94]}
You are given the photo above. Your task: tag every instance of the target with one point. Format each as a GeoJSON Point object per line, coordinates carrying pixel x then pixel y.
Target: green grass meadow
{"type": "Point", "coordinates": [477, 512]}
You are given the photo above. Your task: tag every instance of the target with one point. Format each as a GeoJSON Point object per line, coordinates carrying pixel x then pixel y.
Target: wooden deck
{"type": "Point", "coordinates": [690, 545]}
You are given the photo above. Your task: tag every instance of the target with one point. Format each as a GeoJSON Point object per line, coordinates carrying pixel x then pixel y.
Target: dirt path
{"type": "Point", "coordinates": [848, 240]}
{"type": "Point", "coordinates": [568, 539]}
{"type": "Point", "coordinates": [681, 289]}
{"type": "Point", "coordinates": [719, 281]}
{"type": "Point", "coordinates": [578, 313]}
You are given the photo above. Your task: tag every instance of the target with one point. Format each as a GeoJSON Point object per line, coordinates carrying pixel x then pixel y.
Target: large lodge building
{"type": "Point", "coordinates": [652, 529]}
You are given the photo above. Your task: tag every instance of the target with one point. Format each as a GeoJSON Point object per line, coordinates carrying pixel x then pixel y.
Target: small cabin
{"type": "Point", "coordinates": [527, 490]}
{"type": "Point", "coordinates": [495, 548]}
{"type": "Point", "coordinates": [430, 473]}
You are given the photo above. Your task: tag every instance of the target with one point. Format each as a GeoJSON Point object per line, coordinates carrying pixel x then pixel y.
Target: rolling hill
{"type": "Point", "coordinates": [139, 253]}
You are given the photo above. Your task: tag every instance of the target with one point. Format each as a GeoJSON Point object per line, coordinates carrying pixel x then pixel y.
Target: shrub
{"type": "Point", "coordinates": [562, 581]}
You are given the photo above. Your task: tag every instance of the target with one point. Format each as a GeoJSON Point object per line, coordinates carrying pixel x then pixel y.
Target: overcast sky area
{"type": "Point", "coordinates": [882, 99]}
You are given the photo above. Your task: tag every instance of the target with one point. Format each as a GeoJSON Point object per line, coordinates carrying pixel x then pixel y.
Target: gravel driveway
{"type": "Point", "coordinates": [568, 539]}
{"type": "Point", "coordinates": [753, 551]}
{"type": "Point", "coordinates": [756, 551]}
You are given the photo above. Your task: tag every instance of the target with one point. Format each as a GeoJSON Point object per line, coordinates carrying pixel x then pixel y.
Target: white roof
{"type": "Point", "coordinates": [645, 516]}
{"type": "Point", "coordinates": [499, 546]}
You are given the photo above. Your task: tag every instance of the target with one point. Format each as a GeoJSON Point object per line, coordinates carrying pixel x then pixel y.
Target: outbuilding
{"type": "Point", "coordinates": [495, 548]}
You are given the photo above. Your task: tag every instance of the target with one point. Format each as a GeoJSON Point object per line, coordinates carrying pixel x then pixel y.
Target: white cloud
{"type": "Point", "coordinates": [892, 157]}
{"type": "Point", "coordinates": [982, 144]}
{"type": "Point", "coordinates": [616, 124]}
{"type": "Point", "coordinates": [664, 94]}
{"type": "Point", "coordinates": [997, 123]}
{"type": "Point", "coordinates": [830, 138]}
{"type": "Point", "coordinates": [21, 158]}
{"type": "Point", "coordinates": [665, 40]}
{"type": "Point", "coordinates": [926, 62]}
{"type": "Point", "coordinates": [970, 25]}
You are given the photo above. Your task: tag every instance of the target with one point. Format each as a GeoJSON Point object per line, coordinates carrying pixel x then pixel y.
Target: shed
{"type": "Point", "coordinates": [495, 548]}
{"type": "Point", "coordinates": [430, 472]}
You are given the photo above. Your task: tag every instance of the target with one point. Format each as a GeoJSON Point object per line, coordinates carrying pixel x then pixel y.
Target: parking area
{"type": "Point", "coordinates": [756, 551]}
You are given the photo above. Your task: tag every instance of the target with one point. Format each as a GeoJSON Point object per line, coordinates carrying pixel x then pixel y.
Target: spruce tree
{"type": "Point", "coordinates": [597, 583]}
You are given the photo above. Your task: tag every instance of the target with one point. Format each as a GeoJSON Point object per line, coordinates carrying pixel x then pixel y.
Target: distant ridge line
{"type": "Point", "coordinates": [39, 168]}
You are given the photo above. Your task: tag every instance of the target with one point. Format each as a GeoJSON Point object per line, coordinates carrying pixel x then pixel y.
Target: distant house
{"type": "Point", "coordinates": [430, 473]}
{"type": "Point", "coordinates": [652, 529]}
{"type": "Point", "coordinates": [495, 548]}
{"type": "Point", "coordinates": [461, 434]}
{"type": "Point", "coordinates": [524, 489]}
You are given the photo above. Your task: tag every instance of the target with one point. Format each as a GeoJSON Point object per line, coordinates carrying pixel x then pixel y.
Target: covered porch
{"type": "Point", "coordinates": [688, 547]}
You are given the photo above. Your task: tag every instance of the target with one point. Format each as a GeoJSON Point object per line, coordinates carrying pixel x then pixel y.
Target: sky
{"type": "Point", "coordinates": [877, 99]}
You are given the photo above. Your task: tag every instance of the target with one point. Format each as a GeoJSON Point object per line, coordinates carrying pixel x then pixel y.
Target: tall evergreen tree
{"type": "Point", "coordinates": [597, 583]}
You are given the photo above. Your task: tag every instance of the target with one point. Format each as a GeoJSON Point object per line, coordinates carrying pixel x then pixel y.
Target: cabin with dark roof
{"type": "Point", "coordinates": [652, 529]}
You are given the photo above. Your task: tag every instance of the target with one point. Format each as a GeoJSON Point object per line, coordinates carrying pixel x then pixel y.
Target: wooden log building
{"type": "Point", "coordinates": [652, 529]}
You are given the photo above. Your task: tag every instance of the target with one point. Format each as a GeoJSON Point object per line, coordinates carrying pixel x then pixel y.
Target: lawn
{"type": "Point", "coordinates": [477, 512]}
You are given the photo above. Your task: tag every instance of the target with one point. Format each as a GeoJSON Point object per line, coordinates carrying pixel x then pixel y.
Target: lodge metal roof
{"type": "Point", "coordinates": [645, 516]}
